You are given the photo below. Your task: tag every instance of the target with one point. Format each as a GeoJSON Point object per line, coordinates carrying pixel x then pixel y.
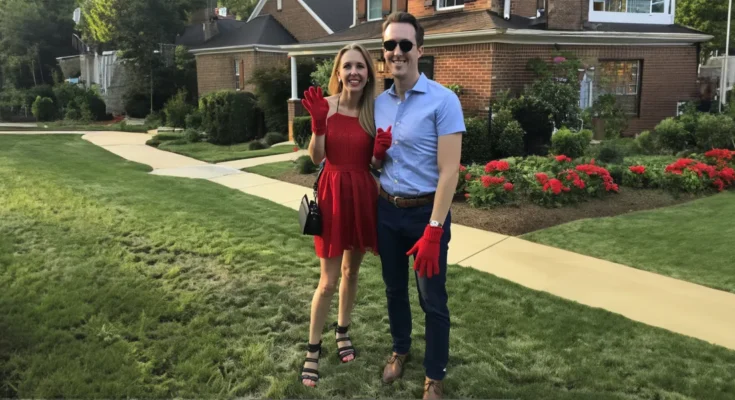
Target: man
{"type": "Point", "coordinates": [418, 182]}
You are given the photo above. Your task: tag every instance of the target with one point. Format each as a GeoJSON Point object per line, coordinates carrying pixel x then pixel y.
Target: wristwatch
{"type": "Point", "coordinates": [434, 224]}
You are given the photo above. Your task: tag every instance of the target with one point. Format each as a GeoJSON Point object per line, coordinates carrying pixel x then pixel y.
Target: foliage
{"type": "Point", "coordinates": [192, 136]}
{"type": "Point", "coordinates": [490, 186]}
{"type": "Point", "coordinates": [557, 86]}
{"type": "Point", "coordinates": [304, 165]}
{"type": "Point", "coordinates": [607, 109]}
{"type": "Point", "coordinates": [476, 142]}
{"type": "Point", "coordinates": [646, 143]}
{"type": "Point", "coordinates": [44, 109]}
{"type": "Point", "coordinates": [708, 16]}
{"type": "Point", "coordinates": [510, 141]}
{"type": "Point", "coordinates": [230, 117]}
{"type": "Point", "coordinates": [272, 138]}
{"type": "Point", "coordinates": [570, 143]}
{"type": "Point", "coordinates": [273, 89]}
{"type": "Point", "coordinates": [257, 145]}
{"type": "Point", "coordinates": [611, 153]}
{"type": "Point", "coordinates": [99, 20]}
{"type": "Point", "coordinates": [155, 120]}
{"type": "Point", "coordinates": [137, 105]}
{"type": "Point", "coordinates": [715, 131]}
{"type": "Point", "coordinates": [176, 110]}
{"type": "Point", "coordinates": [672, 135]}
{"type": "Point", "coordinates": [302, 131]}
{"type": "Point", "coordinates": [194, 120]}
{"type": "Point", "coordinates": [322, 73]}
{"type": "Point", "coordinates": [241, 8]}
{"type": "Point", "coordinates": [534, 117]}
{"type": "Point", "coordinates": [454, 87]}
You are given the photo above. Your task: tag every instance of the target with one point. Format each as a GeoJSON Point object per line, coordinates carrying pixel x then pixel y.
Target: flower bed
{"type": "Point", "coordinates": [551, 182]}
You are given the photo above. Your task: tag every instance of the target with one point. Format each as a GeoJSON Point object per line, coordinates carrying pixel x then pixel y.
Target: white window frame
{"type": "Point", "coordinates": [237, 75]}
{"type": "Point", "coordinates": [441, 7]}
{"type": "Point", "coordinates": [279, 5]}
{"type": "Point", "coordinates": [380, 14]}
{"type": "Point", "coordinates": [664, 18]}
{"type": "Point", "coordinates": [638, 83]}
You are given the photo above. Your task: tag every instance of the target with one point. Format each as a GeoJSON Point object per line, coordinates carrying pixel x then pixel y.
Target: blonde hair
{"type": "Point", "coordinates": [367, 101]}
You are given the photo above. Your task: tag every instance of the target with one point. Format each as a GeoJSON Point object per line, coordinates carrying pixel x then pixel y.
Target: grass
{"type": "Point", "coordinates": [118, 283]}
{"type": "Point", "coordinates": [272, 170]}
{"type": "Point", "coordinates": [72, 126]}
{"type": "Point", "coordinates": [691, 241]}
{"type": "Point", "coordinates": [213, 153]}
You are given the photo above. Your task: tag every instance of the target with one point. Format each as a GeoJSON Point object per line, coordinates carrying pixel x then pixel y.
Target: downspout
{"type": "Point", "coordinates": [506, 10]}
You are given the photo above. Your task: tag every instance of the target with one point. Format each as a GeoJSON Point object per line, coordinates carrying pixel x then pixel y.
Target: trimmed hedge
{"type": "Point", "coordinates": [230, 117]}
{"type": "Point", "coordinates": [476, 142]}
{"type": "Point", "coordinates": [569, 143]}
{"type": "Point", "coordinates": [44, 109]}
{"type": "Point", "coordinates": [302, 131]}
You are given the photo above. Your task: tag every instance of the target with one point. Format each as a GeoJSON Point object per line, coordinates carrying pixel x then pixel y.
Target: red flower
{"type": "Point", "coordinates": [720, 154]}
{"type": "Point", "coordinates": [462, 168]}
{"type": "Point", "coordinates": [468, 177]}
{"type": "Point", "coordinates": [579, 183]}
{"type": "Point", "coordinates": [563, 158]}
{"type": "Point", "coordinates": [486, 181]}
{"type": "Point", "coordinates": [467, 196]}
{"type": "Point", "coordinates": [727, 175]}
{"type": "Point", "coordinates": [555, 186]}
{"type": "Point", "coordinates": [542, 178]}
{"type": "Point", "coordinates": [496, 165]}
{"type": "Point", "coordinates": [296, 148]}
{"type": "Point", "coordinates": [638, 169]}
{"type": "Point", "coordinates": [679, 165]}
{"type": "Point", "coordinates": [508, 187]}
{"type": "Point", "coordinates": [719, 184]}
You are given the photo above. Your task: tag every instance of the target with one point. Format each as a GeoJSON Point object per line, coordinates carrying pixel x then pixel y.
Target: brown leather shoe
{"type": "Point", "coordinates": [394, 368]}
{"type": "Point", "coordinates": [433, 389]}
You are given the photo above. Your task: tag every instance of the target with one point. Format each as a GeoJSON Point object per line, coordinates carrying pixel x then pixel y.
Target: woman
{"type": "Point", "coordinates": [344, 134]}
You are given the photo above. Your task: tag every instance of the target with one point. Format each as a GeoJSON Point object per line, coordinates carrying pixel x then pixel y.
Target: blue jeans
{"type": "Point", "coordinates": [398, 230]}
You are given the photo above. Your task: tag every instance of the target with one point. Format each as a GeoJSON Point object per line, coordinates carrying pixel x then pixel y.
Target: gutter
{"type": "Point", "coordinates": [235, 49]}
{"type": "Point", "coordinates": [506, 10]}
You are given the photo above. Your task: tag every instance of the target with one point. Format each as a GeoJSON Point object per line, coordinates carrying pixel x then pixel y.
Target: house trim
{"type": "Point", "coordinates": [665, 18]}
{"type": "Point", "coordinates": [261, 3]}
{"type": "Point", "coordinates": [239, 49]}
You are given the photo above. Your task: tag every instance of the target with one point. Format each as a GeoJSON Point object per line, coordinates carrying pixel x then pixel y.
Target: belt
{"type": "Point", "coordinates": [407, 202]}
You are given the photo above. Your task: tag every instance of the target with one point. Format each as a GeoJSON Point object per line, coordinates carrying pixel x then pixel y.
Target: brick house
{"type": "Point", "coordinates": [483, 45]}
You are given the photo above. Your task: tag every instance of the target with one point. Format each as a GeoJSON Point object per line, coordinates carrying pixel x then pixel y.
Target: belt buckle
{"type": "Point", "coordinates": [395, 200]}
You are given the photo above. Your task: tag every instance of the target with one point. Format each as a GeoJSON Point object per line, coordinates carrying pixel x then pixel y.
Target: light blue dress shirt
{"type": "Point", "coordinates": [429, 110]}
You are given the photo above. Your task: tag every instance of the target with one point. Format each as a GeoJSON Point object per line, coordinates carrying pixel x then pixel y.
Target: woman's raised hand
{"type": "Point", "coordinates": [318, 108]}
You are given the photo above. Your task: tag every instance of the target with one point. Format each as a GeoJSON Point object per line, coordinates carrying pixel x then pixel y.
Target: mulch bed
{"type": "Point", "coordinates": [523, 218]}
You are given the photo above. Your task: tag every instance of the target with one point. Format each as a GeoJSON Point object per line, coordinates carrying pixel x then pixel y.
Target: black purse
{"type": "Point", "coordinates": [310, 218]}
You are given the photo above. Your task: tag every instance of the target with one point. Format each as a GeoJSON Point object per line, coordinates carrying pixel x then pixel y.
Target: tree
{"type": "Point", "coordinates": [241, 8]}
{"type": "Point", "coordinates": [708, 16]}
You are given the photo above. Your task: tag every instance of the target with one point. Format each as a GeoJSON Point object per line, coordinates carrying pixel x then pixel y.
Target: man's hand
{"type": "Point", "coordinates": [317, 106]}
{"type": "Point", "coordinates": [383, 140]}
{"type": "Point", "coordinates": [426, 252]}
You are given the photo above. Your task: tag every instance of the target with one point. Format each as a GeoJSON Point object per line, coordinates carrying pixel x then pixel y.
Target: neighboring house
{"type": "Point", "coordinates": [228, 51]}
{"type": "Point", "coordinates": [484, 46]}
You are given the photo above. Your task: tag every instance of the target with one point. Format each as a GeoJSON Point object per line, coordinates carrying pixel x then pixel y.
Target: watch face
{"type": "Point", "coordinates": [434, 223]}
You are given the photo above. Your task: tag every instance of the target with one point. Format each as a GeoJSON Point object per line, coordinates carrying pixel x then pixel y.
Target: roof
{"type": "Point", "coordinates": [442, 23]}
{"type": "Point", "coordinates": [638, 28]}
{"type": "Point", "coordinates": [337, 14]}
{"type": "Point", "coordinates": [194, 34]}
{"type": "Point", "coordinates": [263, 30]}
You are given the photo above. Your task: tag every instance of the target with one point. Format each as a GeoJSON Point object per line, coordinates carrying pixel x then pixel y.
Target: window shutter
{"type": "Point", "coordinates": [362, 9]}
{"type": "Point", "coordinates": [386, 7]}
{"type": "Point", "coordinates": [242, 74]}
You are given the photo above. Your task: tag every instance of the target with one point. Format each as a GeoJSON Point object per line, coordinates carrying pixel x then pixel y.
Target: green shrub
{"type": "Point", "coordinates": [155, 120]}
{"type": "Point", "coordinates": [272, 138]}
{"type": "Point", "coordinates": [257, 145]}
{"type": "Point", "coordinates": [273, 89]}
{"type": "Point", "coordinates": [97, 106]}
{"type": "Point", "coordinates": [44, 109]}
{"type": "Point", "coordinates": [137, 105]}
{"type": "Point", "coordinates": [153, 142]}
{"type": "Point", "coordinates": [646, 143]}
{"type": "Point", "coordinates": [672, 135]}
{"type": "Point", "coordinates": [304, 165]}
{"type": "Point", "coordinates": [611, 153]}
{"type": "Point", "coordinates": [533, 115]}
{"type": "Point", "coordinates": [609, 111]}
{"type": "Point", "coordinates": [192, 135]}
{"type": "Point", "coordinates": [323, 73]}
{"type": "Point", "coordinates": [194, 120]}
{"type": "Point", "coordinates": [167, 136]}
{"type": "Point", "coordinates": [569, 143]}
{"type": "Point", "coordinates": [302, 131]}
{"type": "Point", "coordinates": [476, 142]}
{"type": "Point", "coordinates": [176, 110]}
{"type": "Point", "coordinates": [230, 117]}
{"type": "Point", "coordinates": [510, 142]}
{"type": "Point", "coordinates": [715, 131]}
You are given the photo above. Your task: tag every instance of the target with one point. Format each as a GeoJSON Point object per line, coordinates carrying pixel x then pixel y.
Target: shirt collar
{"type": "Point", "coordinates": [420, 87]}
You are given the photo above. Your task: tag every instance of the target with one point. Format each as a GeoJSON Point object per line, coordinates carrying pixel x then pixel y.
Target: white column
{"type": "Point", "coordinates": [294, 80]}
{"type": "Point", "coordinates": [723, 83]}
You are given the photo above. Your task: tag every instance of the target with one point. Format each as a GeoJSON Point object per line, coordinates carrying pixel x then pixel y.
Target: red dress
{"type": "Point", "coordinates": [348, 193]}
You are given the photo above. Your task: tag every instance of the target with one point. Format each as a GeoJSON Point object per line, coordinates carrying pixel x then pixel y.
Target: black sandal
{"type": "Point", "coordinates": [311, 348]}
{"type": "Point", "coordinates": [345, 351]}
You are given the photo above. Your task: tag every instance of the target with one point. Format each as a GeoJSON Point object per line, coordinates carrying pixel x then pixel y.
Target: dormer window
{"type": "Point", "coordinates": [374, 9]}
{"type": "Point", "coordinates": [442, 5]}
{"type": "Point", "coordinates": [660, 12]}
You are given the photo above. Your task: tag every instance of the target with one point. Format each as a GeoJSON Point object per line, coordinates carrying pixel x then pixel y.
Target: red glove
{"type": "Point", "coordinates": [382, 143]}
{"type": "Point", "coordinates": [315, 103]}
{"type": "Point", "coordinates": [426, 252]}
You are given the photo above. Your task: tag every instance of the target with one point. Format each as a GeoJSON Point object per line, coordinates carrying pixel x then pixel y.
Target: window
{"type": "Point", "coordinates": [237, 75]}
{"type": "Point", "coordinates": [375, 9]}
{"type": "Point", "coordinates": [449, 4]}
{"type": "Point", "coordinates": [633, 11]}
{"type": "Point", "coordinates": [279, 5]}
{"type": "Point", "coordinates": [426, 66]}
{"type": "Point", "coordinates": [623, 80]}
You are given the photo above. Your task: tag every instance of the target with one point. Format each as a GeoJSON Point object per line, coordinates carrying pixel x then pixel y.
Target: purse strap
{"type": "Point", "coordinates": [316, 182]}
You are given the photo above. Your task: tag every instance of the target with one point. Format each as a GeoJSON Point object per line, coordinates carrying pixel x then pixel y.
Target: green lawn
{"type": "Point", "coordinates": [213, 153]}
{"type": "Point", "coordinates": [117, 283]}
{"type": "Point", "coordinates": [691, 241]}
{"type": "Point", "coordinates": [73, 126]}
{"type": "Point", "coordinates": [271, 170]}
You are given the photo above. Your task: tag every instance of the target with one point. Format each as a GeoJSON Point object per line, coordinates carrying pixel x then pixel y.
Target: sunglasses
{"type": "Point", "coordinates": [405, 45]}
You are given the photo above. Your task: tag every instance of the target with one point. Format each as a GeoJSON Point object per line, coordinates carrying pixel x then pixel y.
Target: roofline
{"type": "Point", "coordinates": [266, 48]}
{"type": "Point", "coordinates": [261, 3]}
{"type": "Point", "coordinates": [520, 36]}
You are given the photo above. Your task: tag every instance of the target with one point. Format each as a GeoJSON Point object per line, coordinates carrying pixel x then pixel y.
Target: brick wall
{"type": "Point", "coordinates": [217, 71]}
{"type": "Point", "coordinates": [524, 8]}
{"type": "Point", "coordinates": [422, 8]}
{"type": "Point", "coordinates": [294, 17]}
{"type": "Point", "coordinates": [565, 14]}
{"type": "Point", "coordinates": [669, 74]}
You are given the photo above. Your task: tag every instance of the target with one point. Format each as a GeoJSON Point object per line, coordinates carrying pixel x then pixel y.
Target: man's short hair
{"type": "Point", "coordinates": [406, 18]}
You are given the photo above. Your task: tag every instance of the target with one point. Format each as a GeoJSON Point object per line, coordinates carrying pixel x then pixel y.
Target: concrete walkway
{"type": "Point", "coordinates": [653, 299]}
